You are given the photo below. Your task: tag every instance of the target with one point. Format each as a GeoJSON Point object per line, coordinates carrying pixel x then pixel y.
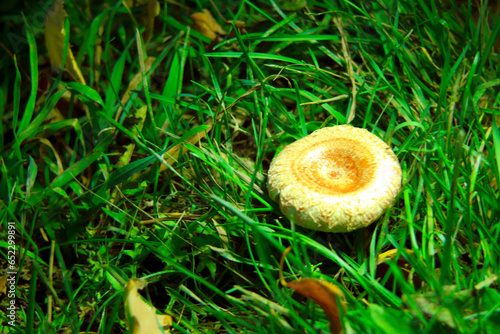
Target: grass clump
{"type": "Point", "coordinates": [156, 167]}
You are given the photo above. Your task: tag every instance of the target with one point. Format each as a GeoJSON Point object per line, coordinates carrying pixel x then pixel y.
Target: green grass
{"type": "Point", "coordinates": [102, 192]}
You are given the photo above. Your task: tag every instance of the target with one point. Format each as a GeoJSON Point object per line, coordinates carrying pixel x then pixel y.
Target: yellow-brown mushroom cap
{"type": "Point", "coordinates": [336, 179]}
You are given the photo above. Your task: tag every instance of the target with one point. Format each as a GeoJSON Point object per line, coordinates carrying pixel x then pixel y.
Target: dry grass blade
{"type": "Point", "coordinates": [136, 80]}
{"type": "Point", "coordinates": [345, 50]}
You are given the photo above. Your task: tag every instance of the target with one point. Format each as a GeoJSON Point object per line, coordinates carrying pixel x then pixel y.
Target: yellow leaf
{"type": "Point", "coordinates": [405, 267]}
{"type": "Point", "coordinates": [141, 316]}
{"type": "Point", "coordinates": [390, 255]}
{"type": "Point", "coordinates": [54, 40]}
{"type": "Point", "coordinates": [206, 24]}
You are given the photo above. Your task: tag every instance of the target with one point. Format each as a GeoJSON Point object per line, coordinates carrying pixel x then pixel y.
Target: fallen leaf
{"type": "Point", "coordinates": [390, 255]}
{"type": "Point", "coordinates": [206, 24]}
{"type": "Point", "coordinates": [54, 40]}
{"type": "Point", "coordinates": [141, 316]}
{"type": "Point", "coordinates": [323, 293]}
{"type": "Point", "coordinates": [408, 272]}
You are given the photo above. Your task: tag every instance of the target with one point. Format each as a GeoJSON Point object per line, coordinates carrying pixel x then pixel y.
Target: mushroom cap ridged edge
{"type": "Point", "coordinates": [358, 154]}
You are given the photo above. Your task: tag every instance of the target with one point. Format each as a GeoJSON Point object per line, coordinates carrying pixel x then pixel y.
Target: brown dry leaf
{"type": "Point", "coordinates": [141, 316]}
{"type": "Point", "coordinates": [323, 293]}
{"type": "Point", "coordinates": [206, 24]}
{"type": "Point", "coordinates": [54, 40]}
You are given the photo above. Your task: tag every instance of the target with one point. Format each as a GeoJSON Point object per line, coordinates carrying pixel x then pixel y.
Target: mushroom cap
{"type": "Point", "coordinates": [336, 179]}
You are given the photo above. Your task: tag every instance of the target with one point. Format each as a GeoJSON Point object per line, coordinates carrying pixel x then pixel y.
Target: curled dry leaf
{"type": "Point", "coordinates": [141, 316]}
{"type": "Point", "coordinates": [54, 40]}
{"type": "Point", "coordinates": [206, 24]}
{"type": "Point", "coordinates": [323, 293]}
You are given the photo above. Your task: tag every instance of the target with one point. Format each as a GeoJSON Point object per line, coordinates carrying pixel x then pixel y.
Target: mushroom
{"type": "Point", "coordinates": [337, 179]}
